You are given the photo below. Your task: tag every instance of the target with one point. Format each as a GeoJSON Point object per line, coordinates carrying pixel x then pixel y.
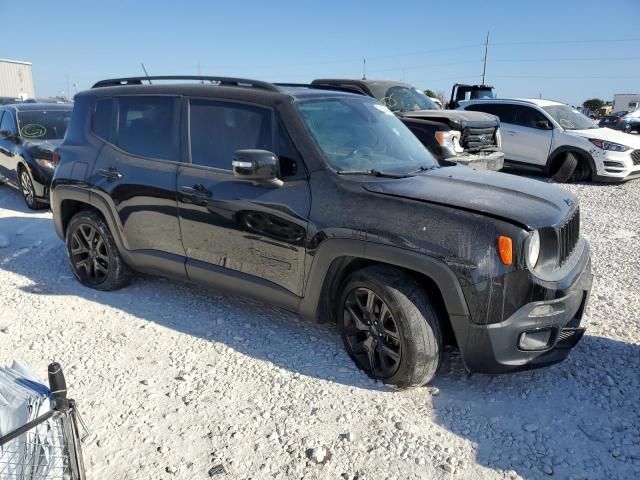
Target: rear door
{"type": "Point", "coordinates": [136, 169]}
{"type": "Point", "coordinates": [233, 224]}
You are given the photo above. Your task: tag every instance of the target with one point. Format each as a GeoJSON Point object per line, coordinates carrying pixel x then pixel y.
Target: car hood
{"type": "Point", "coordinates": [528, 203]}
{"type": "Point", "coordinates": [610, 135]}
{"type": "Point", "coordinates": [457, 119]}
{"type": "Point", "coordinates": [41, 148]}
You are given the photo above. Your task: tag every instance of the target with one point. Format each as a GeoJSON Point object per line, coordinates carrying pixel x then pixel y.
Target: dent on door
{"type": "Point", "coordinates": [248, 228]}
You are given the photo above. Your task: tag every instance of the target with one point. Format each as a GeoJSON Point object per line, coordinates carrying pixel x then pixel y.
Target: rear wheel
{"type": "Point", "coordinates": [28, 190]}
{"type": "Point", "coordinates": [389, 327]}
{"type": "Point", "coordinates": [94, 257]}
{"type": "Point", "coordinates": [627, 128]}
{"type": "Point", "coordinates": [565, 168]}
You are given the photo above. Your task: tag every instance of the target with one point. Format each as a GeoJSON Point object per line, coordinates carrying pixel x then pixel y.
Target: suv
{"type": "Point", "coordinates": [557, 140]}
{"type": "Point", "coordinates": [323, 203]}
{"type": "Point", "coordinates": [471, 139]}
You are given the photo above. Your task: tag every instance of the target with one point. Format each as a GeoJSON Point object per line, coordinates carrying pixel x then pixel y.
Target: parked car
{"type": "Point", "coordinates": [29, 134]}
{"type": "Point", "coordinates": [557, 140]}
{"type": "Point", "coordinates": [626, 121]}
{"type": "Point", "coordinates": [9, 100]}
{"type": "Point", "coordinates": [612, 120]}
{"type": "Point", "coordinates": [471, 139]}
{"type": "Point", "coordinates": [323, 203]}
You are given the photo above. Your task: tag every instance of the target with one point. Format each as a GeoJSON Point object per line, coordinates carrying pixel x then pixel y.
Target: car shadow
{"type": "Point", "coordinates": [261, 331]}
{"type": "Point", "coordinates": [577, 419]}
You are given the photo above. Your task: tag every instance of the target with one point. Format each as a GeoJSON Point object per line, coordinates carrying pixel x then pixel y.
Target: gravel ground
{"type": "Point", "coordinates": [181, 383]}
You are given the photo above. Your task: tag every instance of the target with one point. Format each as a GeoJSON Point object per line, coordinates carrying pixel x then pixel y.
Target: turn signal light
{"type": "Point", "coordinates": [56, 158]}
{"type": "Point", "coordinates": [505, 249]}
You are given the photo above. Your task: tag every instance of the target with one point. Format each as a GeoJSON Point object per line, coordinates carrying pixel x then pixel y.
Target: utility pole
{"type": "Point", "coordinates": [364, 69]}
{"type": "Point", "coordinates": [484, 66]}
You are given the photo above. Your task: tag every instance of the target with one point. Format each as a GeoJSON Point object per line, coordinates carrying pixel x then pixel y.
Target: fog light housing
{"type": "Point", "coordinates": [536, 340]}
{"type": "Point", "coordinates": [546, 310]}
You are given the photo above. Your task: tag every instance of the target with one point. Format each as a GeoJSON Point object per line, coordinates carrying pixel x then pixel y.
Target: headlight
{"type": "Point", "coordinates": [46, 163]}
{"type": "Point", "coordinates": [613, 147]}
{"type": "Point", "coordinates": [450, 139]}
{"type": "Point", "coordinates": [533, 248]}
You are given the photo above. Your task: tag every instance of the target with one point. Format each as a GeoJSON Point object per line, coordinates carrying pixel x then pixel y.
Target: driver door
{"type": "Point", "coordinates": [8, 147]}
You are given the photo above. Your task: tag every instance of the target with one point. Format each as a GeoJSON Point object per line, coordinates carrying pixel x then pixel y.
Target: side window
{"type": "Point", "coordinates": [102, 118]}
{"type": "Point", "coordinates": [527, 117]}
{"type": "Point", "coordinates": [503, 112]}
{"type": "Point", "coordinates": [218, 129]}
{"type": "Point", "coordinates": [8, 123]}
{"type": "Point", "coordinates": [149, 126]}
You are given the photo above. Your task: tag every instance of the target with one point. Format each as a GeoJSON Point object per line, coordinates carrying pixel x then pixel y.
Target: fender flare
{"type": "Point", "coordinates": [334, 249]}
{"type": "Point", "coordinates": [567, 148]}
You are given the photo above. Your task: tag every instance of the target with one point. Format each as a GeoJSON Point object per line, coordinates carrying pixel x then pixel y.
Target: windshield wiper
{"type": "Point", "coordinates": [373, 173]}
{"type": "Point", "coordinates": [422, 169]}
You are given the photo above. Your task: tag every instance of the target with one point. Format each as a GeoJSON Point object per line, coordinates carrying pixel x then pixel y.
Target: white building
{"type": "Point", "coordinates": [626, 101]}
{"type": "Point", "coordinates": [16, 79]}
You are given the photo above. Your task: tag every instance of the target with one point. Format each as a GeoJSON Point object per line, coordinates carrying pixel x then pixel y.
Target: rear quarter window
{"type": "Point", "coordinates": [102, 119]}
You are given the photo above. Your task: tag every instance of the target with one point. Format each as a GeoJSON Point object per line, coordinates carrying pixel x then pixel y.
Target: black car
{"type": "Point", "coordinates": [468, 138]}
{"type": "Point", "coordinates": [323, 203]}
{"type": "Point", "coordinates": [29, 134]}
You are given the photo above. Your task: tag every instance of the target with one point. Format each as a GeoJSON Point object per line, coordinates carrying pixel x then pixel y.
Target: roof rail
{"type": "Point", "coordinates": [337, 88]}
{"type": "Point", "coordinates": [225, 81]}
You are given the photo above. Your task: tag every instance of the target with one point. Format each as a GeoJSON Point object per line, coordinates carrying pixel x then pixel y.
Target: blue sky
{"type": "Point", "coordinates": [565, 50]}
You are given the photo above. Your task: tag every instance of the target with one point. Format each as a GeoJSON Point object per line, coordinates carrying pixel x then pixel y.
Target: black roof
{"type": "Point", "coordinates": [25, 107]}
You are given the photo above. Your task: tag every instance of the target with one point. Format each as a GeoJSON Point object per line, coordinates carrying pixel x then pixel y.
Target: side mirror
{"type": "Point", "coordinates": [258, 166]}
{"type": "Point", "coordinates": [7, 135]}
{"type": "Point", "coordinates": [543, 124]}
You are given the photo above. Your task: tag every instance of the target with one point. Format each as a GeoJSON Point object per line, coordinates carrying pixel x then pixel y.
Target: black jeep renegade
{"type": "Point", "coordinates": [324, 203]}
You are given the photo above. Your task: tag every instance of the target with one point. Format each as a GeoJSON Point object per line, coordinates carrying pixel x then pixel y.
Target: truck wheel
{"type": "Point", "coordinates": [94, 257]}
{"type": "Point", "coordinates": [389, 327]}
{"type": "Point", "coordinates": [566, 169]}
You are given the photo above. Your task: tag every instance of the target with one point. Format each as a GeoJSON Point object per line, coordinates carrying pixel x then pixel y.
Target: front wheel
{"type": "Point", "coordinates": [28, 190]}
{"type": "Point", "coordinates": [389, 327]}
{"type": "Point", "coordinates": [93, 254]}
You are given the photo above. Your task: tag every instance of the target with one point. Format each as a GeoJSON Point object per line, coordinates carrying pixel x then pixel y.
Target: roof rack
{"type": "Point", "coordinates": [225, 81]}
{"type": "Point", "coordinates": [337, 88]}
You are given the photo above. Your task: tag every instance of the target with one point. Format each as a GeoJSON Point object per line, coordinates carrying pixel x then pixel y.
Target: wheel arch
{"type": "Point", "coordinates": [336, 259]}
{"type": "Point", "coordinates": [558, 153]}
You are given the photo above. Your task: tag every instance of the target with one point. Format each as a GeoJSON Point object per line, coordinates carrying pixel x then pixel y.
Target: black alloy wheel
{"type": "Point", "coordinates": [89, 254]}
{"type": "Point", "coordinates": [372, 333]}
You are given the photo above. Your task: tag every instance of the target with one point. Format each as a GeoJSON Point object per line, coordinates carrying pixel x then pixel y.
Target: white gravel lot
{"type": "Point", "coordinates": [182, 383]}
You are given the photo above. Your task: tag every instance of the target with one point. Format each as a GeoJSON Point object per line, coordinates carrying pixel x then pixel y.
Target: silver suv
{"type": "Point", "coordinates": [557, 140]}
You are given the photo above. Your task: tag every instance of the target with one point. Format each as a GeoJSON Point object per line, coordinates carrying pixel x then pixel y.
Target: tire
{"type": "Point", "coordinates": [567, 167]}
{"type": "Point", "coordinates": [28, 191]}
{"type": "Point", "coordinates": [398, 340]}
{"type": "Point", "coordinates": [93, 254]}
{"type": "Point", "coordinates": [627, 128]}
{"type": "Point", "coordinates": [582, 171]}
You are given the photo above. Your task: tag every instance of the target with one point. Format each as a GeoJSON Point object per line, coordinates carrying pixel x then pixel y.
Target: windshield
{"type": "Point", "coordinates": [482, 93]}
{"type": "Point", "coordinates": [43, 124]}
{"type": "Point", "coordinates": [568, 118]}
{"type": "Point", "coordinates": [360, 134]}
{"type": "Point", "coordinates": [407, 99]}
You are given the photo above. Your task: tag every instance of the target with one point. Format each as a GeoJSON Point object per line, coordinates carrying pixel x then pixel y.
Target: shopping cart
{"type": "Point", "coordinates": [47, 448]}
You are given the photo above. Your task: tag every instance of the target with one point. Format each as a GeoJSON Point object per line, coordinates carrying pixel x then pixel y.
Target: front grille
{"type": "Point", "coordinates": [635, 156]}
{"type": "Point", "coordinates": [475, 139]}
{"type": "Point", "coordinates": [569, 337]}
{"type": "Point", "coordinates": [568, 235]}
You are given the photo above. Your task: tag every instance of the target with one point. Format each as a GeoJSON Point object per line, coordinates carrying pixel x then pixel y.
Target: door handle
{"type": "Point", "coordinates": [111, 174]}
{"type": "Point", "coordinates": [197, 190]}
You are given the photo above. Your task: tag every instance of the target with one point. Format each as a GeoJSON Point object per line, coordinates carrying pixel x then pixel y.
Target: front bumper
{"type": "Point", "coordinates": [493, 161]}
{"type": "Point", "coordinates": [616, 166]}
{"type": "Point", "coordinates": [499, 347]}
